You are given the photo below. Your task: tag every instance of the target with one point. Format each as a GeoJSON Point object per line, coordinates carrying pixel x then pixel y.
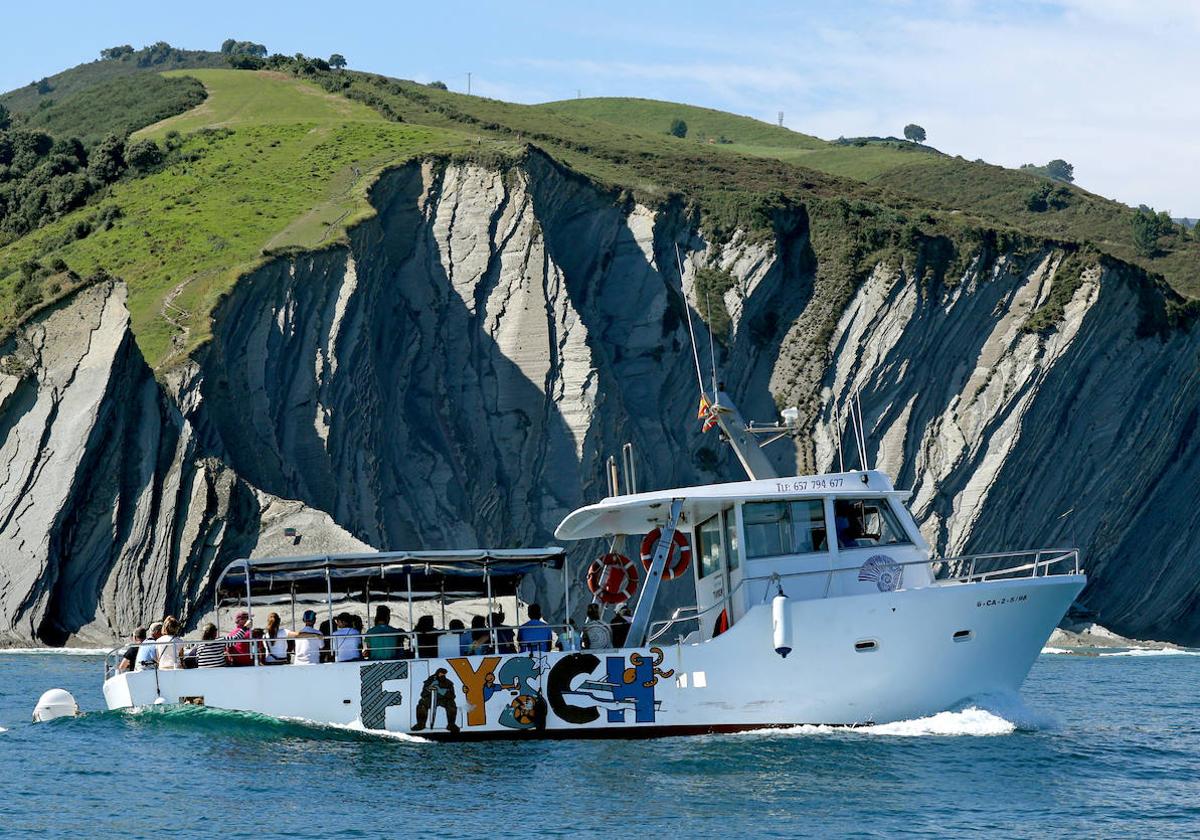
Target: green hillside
{"type": "Point", "coordinates": [237, 190]}
{"type": "Point", "coordinates": [118, 106]}
{"type": "Point", "coordinates": [282, 159]}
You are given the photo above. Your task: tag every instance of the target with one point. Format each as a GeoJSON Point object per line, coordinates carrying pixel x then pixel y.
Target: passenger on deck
{"type": "Point", "coordinates": [481, 639]}
{"type": "Point", "coordinates": [307, 641]}
{"type": "Point", "coordinates": [170, 652]}
{"type": "Point", "coordinates": [464, 638]}
{"type": "Point", "coordinates": [210, 652]}
{"type": "Point", "coordinates": [347, 642]}
{"type": "Point", "coordinates": [505, 642]}
{"type": "Point", "coordinates": [382, 641]}
{"type": "Point", "coordinates": [596, 635]}
{"type": "Point", "coordinates": [238, 652]}
{"type": "Point", "coordinates": [130, 656]}
{"type": "Point", "coordinates": [147, 652]}
{"type": "Point", "coordinates": [534, 636]}
{"type": "Point", "coordinates": [326, 631]}
{"type": "Point", "coordinates": [275, 642]}
{"type": "Point", "coordinates": [427, 637]}
{"type": "Point", "coordinates": [620, 626]}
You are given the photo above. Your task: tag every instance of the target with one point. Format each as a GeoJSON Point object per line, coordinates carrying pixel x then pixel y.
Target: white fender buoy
{"type": "Point", "coordinates": [781, 622]}
{"type": "Point", "coordinates": [55, 703]}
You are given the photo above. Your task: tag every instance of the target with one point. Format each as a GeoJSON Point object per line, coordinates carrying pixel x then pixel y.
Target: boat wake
{"type": "Point", "coordinates": [985, 716]}
{"type": "Point", "coordinates": [55, 651]}
{"type": "Point", "coordinates": [253, 725]}
{"type": "Point", "coordinates": [1152, 652]}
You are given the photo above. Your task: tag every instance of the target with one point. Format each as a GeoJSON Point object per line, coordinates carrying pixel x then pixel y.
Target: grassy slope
{"type": "Point", "coordinates": [77, 79]}
{"type": "Point", "coordinates": [117, 106]}
{"type": "Point", "coordinates": [992, 194]}
{"type": "Point", "coordinates": [188, 232]}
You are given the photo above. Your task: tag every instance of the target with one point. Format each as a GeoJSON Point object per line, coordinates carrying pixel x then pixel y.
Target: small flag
{"type": "Point", "coordinates": [705, 405]}
{"type": "Point", "coordinates": [706, 413]}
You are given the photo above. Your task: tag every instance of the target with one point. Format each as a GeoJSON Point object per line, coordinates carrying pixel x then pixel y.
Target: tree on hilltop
{"type": "Point", "coordinates": [337, 61]}
{"type": "Point", "coordinates": [914, 133]}
{"type": "Point", "coordinates": [438, 85]}
{"type": "Point", "coordinates": [114, 53]}
{"type": "Point", "coordinates": [231, 46]}
{"type": "Point", "coordinates": [678, 128]}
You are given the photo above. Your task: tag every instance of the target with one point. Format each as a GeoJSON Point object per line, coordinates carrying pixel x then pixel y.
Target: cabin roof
{"type": "Point", "coordinates": [463, 572]}
{"type": "Point", "coordinates": [640, 512]}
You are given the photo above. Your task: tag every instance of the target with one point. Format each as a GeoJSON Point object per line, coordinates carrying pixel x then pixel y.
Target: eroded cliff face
{"type": "Point", "coordinates": [458, 373]}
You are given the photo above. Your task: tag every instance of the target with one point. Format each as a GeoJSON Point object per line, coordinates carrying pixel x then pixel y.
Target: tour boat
{"type": "Point", "coordinates": [817, 601]}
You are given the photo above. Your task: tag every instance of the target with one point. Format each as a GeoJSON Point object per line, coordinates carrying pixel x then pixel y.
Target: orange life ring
{"type": "Point", "coordinates": [679, 555]}
{"type": "Point", "coordinates": [612, 579]}
{"type": "Point", "coordinates": [722, 624]}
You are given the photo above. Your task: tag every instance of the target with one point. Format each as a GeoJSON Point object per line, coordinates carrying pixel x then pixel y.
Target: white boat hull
{"type": "Point", "coordinates": [736, 681]}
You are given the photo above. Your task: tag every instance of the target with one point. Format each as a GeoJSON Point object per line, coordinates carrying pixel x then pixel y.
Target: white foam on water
{"type": "Point", "coordinates": [970, 721]}
{"type": "Point", "coordinates": [356, 726]}
{"type": "Point", "coordinates": [1153, 652]}
{"type": "Point", "coordinates": [1057, 650]}
{"type": "Point", "coordinates": [2, 729]}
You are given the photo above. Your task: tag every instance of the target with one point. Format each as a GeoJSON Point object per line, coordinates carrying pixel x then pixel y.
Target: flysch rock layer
{"type": "Point", "coordinates": [458, 374]}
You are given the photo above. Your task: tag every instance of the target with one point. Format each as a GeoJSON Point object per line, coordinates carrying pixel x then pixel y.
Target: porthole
{"type": "Point", "coordinates": [866, 645]}
{"type": "Point", "coordinates": [964, 636]}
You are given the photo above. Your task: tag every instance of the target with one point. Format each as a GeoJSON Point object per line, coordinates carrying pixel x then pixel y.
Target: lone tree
{"type": "Point", "coordinates": [438, 85]}
{"type": "Point", "coordinates": [1060, 170]}
{"type": "Point", "coordinates": [678, 128]}
{"type": "Point", "coordinates": [914, 132]}
{"type": "Point", "coordinates": [1147, 227]}
{"type": "Point", "coordinates": [337, 61]}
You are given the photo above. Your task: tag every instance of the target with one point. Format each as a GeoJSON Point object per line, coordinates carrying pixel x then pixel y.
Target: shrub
{"type": "Point", "coordinates": [678, 128]}
{"type": "Point", "coordinates": [143, 155]}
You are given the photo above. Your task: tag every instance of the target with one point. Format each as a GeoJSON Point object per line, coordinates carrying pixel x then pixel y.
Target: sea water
{"type": "Point", "coordinates": [1097, 746]}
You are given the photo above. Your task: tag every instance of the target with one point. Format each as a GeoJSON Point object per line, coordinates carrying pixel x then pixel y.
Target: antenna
{"type": "Point", "coordinates": [837, 427]}
{"type": "Point", "coordinates": [691, 331]}
{"type": "Point", "coordinates": [468, 84]}
{"type": "Point", "coordinates": [862, 435]}
{"type": "Point", "coordinates": [712, 349]}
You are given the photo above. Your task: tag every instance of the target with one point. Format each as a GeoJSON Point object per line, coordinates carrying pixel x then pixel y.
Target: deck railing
{"type": "Point", "coordinates": [409, 642]}
{"type": "Point", "coordinates": [962, 569]}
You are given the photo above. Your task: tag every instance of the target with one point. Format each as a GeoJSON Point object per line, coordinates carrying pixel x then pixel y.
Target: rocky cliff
{"type": "Point", "coordinates": [457, 374]}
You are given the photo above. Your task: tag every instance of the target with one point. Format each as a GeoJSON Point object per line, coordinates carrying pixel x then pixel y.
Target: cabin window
{"type": "Point", "coordinates": [865, 523]}
{"type": "Point", "coordinates": [731, 539]}
{"type": "Point", "coordinates": [709, 549]}
{"type": "Point", "coordinates": [774, 528]}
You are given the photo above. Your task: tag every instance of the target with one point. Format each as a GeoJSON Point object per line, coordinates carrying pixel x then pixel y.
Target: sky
{"type": "Point", "coordinates": [1103, 84]}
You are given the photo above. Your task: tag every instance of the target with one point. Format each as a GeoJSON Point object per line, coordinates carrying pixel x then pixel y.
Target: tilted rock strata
{"type": "Point", "coordinates": [457, 375]}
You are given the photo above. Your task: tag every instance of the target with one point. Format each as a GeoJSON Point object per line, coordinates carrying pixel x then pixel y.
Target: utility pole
{"type": "Point", "coordinates": [468, 84]}
{"type": "Point", "coordinates": [578, 93]}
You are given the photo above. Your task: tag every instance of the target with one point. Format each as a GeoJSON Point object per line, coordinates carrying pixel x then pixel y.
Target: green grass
{"type": "Point", "coordinates": [68, 83]}
{"type": "Point", "coordinates": [187, 233]}
{"type": "Point", "coordinates": [118, 106]}
{"type": "Point", "coordinates": [705, 125]}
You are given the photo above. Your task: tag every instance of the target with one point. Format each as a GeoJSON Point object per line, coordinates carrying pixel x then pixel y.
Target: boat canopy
{"type": "Point", "coordinates": [450, 575]}
{"type": "Point", "coordinates": [638, 513]}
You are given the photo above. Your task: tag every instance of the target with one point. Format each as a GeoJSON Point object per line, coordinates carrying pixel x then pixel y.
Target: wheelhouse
{"type": "Point", "coordinates": [814, 536]}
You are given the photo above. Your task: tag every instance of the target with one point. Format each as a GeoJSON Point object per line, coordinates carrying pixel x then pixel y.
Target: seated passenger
{"type": "Point", "coordinates": [620, 626]}
{"type": "Point", "coordinates": [426, 637]}
{"type": "Point", "coordinates": [596, 635]}
{"type": "Point", "coordinates": [170, 652]}
{"type": "Point", "coordinates": [382, 640]}
{"type": "Point", "coordinates": [346, 642]}
{"type": "Point", "coordinates": [481, 639]}
{"type": "Point", "coordinates": [147, 651]}
{"type": "Point", "coordinates": [307, 641]}
{"type": "Point", "coordinates": [464, 638]}
{"type": "Point", "coordinates": [534, 636]}
{"type": "Point", "coordinates": [210, 652]}
{"type": "Point", "coordinates": [505, 641]}
{"type": "Point", "coordinates": [238, 652]}
{"type": "Point", "coordinates": [129, 657]}
{"type": "Point", "coordinates": [275, 642]}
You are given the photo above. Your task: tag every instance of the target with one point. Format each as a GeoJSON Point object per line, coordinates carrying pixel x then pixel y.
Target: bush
{"type": "Point", "coordinates": [1147, 227]}
{"type": "Point", "coordinates": [678, 128]}
{"type": "Point", "coordinates": [143, 155]}
{"type": "Point", "coordinates": [438, 85]}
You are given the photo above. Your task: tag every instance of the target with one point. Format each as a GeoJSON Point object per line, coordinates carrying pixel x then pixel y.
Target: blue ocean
{"type": "Point", "coordinates": [1101, 745]}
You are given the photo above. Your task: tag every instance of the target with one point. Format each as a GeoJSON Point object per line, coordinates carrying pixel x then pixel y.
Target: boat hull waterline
{"type": "Point", "coordinates": [857, 660]}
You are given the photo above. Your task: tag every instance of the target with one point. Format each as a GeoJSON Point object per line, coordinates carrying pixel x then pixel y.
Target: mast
{"type": "Point", "coordinates": [754, 461]}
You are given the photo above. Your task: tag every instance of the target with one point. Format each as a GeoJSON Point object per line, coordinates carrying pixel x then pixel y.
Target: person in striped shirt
{"type": "Point", "coordinates": [210, 652]}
